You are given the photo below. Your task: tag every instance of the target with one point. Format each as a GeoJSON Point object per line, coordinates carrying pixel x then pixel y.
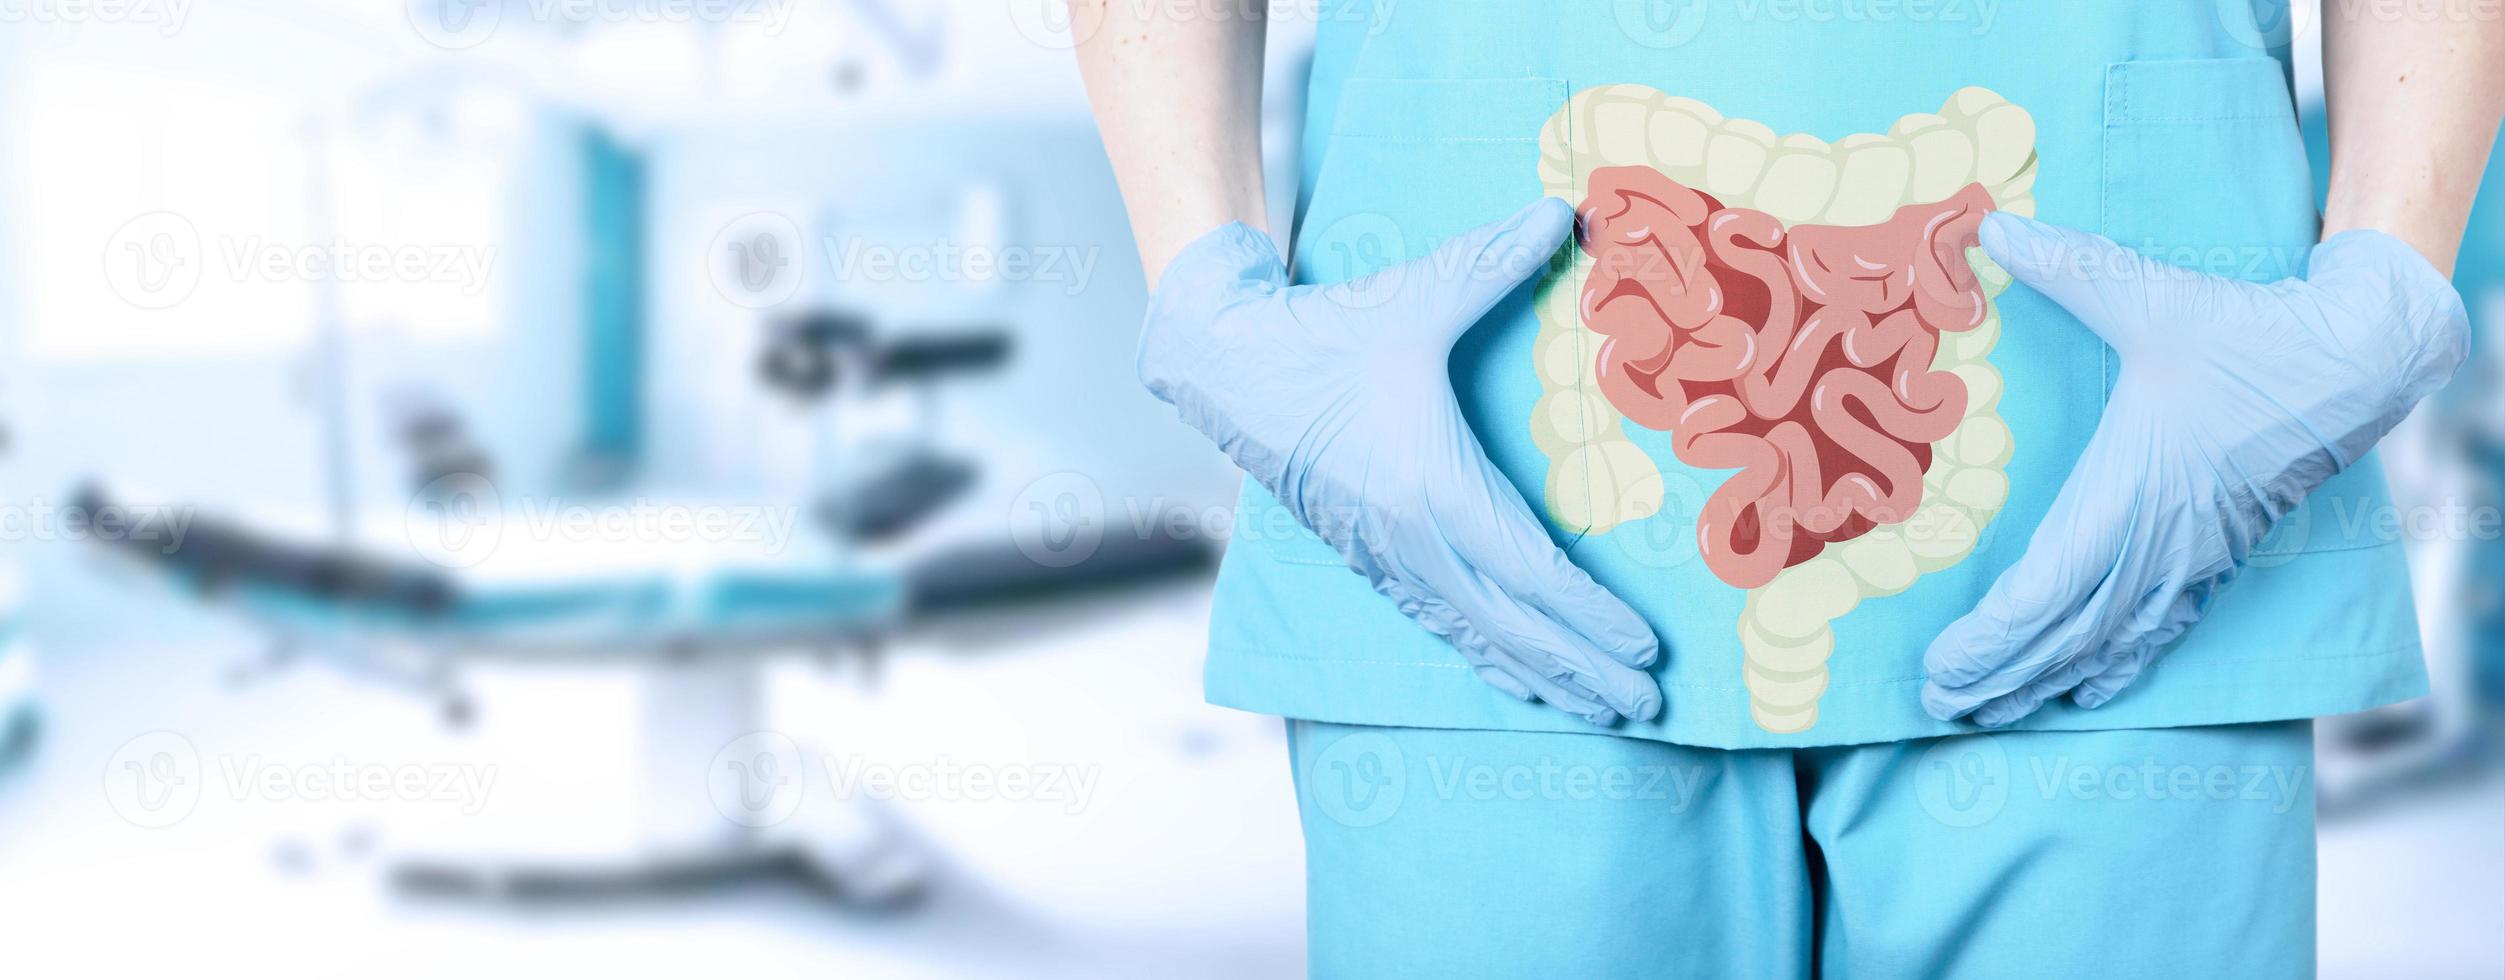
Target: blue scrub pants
{"type": "Point", "coordinates": [2182, 852]}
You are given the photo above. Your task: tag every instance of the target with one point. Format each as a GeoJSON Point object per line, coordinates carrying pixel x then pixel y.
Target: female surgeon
{"type": "Point", "coordinates": [1832, 489]}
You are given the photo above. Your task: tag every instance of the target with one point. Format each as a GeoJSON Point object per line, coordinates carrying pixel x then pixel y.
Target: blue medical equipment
{"type": "Point", "coordinates": [454, 580]}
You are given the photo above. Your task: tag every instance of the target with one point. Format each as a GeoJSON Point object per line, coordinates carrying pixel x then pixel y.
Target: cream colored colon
{"type": "Point", "coordinates": [1598, 479]}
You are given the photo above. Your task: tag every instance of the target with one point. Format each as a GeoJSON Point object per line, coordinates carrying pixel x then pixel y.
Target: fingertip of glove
{"type": "Point", "coordinates": [1645, 707]}
{"type": "Point", "coordinates": [1942, 705]}
{"type": "Point", "coordinates": [1549, 213]}
{"type": "Point", "coordinates": [2002, 230]}
{"type": "Point", "coordinates": [1501, 682]}
{"type": "Point", "coordinates": [2032, 250]}
{"type": "Point", "coordinates": [1540, 227]}
{"type": "Point", "coordinates": [1624, 687]}
{"type": "Point", "coordinates": [1952, 660]}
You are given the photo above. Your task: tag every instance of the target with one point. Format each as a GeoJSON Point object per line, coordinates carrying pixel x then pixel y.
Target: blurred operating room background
{"type": "Point", "coordinates": [643, 489]}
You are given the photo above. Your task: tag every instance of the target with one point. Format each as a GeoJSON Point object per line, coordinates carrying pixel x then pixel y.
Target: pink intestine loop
{"type": "Point", "coordinates": [1799, 356]}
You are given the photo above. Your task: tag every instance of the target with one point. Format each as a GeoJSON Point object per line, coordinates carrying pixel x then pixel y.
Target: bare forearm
{"type": "Point", "coordinates": [1177, 94]}
{"type": "Point", "coordinates": [2414, 91]}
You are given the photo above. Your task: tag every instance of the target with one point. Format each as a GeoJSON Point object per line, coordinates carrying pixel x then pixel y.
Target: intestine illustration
{"type": "Point", "coordinates": [1813, 318]}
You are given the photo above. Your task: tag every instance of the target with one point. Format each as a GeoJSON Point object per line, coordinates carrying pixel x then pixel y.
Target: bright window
{"type": "Point", "coordinates": [144, 192]}
{"type": "Point", "coordinates": [173, 216]}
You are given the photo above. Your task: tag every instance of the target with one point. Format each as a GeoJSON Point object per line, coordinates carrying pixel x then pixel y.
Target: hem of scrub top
{"type": "Point", "coordinates": [1448, 695]}
{"type": "Point", "coordinates": [2305, 636]}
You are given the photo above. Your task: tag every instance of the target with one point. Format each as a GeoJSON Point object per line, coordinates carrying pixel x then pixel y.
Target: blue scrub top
{"type": "Point", "coordinates": [2166, 125]}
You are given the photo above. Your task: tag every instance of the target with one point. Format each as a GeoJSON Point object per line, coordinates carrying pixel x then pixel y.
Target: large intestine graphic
{"type": "Point", "coordinates": [1799, 356]}
{"type": "Point", "coordinates": [1807, 323]}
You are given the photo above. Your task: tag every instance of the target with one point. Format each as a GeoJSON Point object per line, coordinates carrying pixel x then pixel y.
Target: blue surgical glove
{"type": "Point", "coordinates": [1338, 399]}
{"type": "Point", "coordinates": [2235, 400]}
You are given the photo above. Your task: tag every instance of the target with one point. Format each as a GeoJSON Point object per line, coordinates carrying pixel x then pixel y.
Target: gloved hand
{"type": "Point", "coordinates": [2235, 400]}
{"type": "Point", "coordinates": [1339, 400]}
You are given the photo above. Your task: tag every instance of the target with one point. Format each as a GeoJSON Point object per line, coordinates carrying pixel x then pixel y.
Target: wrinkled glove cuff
{"type": "Point", "coordinates": [1229, 254]}
{"type": "Point", "coordinates": [2436, 335]}
{"type": "Point", "coordinates": [1231, 261]}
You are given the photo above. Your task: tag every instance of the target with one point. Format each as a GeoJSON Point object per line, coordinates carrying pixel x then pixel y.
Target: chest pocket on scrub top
{"type": "Point", "coordinates": [1412, 164]}
{"type": "Point", "coordinates": [2204, 167]}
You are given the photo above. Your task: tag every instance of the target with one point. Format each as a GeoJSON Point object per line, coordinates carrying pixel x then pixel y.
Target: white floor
{"type": "Point", "coordinates": [2417, 888]}
{"type": "Point", "coordinates": [1181, 860]}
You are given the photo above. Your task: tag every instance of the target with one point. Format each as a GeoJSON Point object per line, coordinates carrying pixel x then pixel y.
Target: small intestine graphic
{"type": "Point", "coordinates": [1800, 356]}
{"type": "Point", "coordinates": [1807, 326]}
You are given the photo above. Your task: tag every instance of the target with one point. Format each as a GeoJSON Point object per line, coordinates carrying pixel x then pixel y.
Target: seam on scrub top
{"type": "Point", "coordinates": [2367, 655]}
{"type": "Point", "coordinates": [1265, 654]}
{"type": "Point", "coordinates": [2238, 685]}
{"type": "Point", "coordinates": [1432, 664]}
{"type": "Point", "coordinates": [2238, 117]}
{"type": "Point", "coordinates": [2121, 76]}
{"type": "Point", "coordinates": [1583, 355]}
{"type": "Point", "coordinates": [1875, 682]}
{"type": "Point", "coordinates": [2328, 551]}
